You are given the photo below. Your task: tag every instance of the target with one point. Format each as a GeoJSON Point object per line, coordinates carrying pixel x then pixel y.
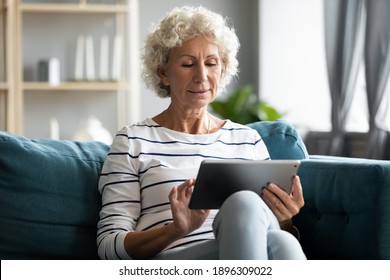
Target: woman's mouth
{"type": "Point", "coordinates": [201, 91]}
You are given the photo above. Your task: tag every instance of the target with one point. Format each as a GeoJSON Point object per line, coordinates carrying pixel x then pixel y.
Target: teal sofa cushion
{"type": "Point", "coordinates": [347, 208]}
{"type": "Point", "coordinates": [281, 139]}
{"type": "Point", "coordinates": [49, 202]}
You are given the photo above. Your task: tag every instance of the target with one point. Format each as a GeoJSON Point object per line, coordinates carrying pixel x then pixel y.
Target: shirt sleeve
{"type": "Point", "coordinates": [120, 191]}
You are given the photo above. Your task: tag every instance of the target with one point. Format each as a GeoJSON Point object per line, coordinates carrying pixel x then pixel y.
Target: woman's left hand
{"type": "Point", "coordinates": [284, 205]}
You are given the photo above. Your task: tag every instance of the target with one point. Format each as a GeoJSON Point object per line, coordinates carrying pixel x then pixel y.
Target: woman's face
{"type": "Point", "coordinates": [193, 73]}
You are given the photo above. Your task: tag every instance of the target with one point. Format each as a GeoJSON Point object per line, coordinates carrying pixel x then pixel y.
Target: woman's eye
{"type": "Point", "coordinates": [212, 63]}
{"type": "Point", "coordinates": [187, 65]}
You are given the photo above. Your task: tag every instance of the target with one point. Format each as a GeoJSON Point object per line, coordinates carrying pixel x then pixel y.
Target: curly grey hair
{"type": "Point", "coordinates": [180, 25]}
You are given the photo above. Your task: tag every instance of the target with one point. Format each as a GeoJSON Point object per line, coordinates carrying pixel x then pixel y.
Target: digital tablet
{"type": "Point", "coordinates": [218, 179]}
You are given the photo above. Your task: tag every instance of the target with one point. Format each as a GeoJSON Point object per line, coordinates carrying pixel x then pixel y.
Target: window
{"type": "Point", "coordinates": [293, 72]}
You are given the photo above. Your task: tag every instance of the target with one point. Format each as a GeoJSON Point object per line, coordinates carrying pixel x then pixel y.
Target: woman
{"type": "Point", "coordinates": [147, 179]}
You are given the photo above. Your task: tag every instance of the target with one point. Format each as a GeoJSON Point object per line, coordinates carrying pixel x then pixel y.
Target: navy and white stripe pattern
{"type": "Point", "coordinates": [144, 163]}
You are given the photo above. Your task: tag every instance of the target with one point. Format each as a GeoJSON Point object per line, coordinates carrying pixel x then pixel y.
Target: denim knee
{"type": "Point", "coordinates": [284, 246]}
{"type": "Point", "coordinates": [244, 201]}
{"type": "Point", "coordinates": [242, 207]}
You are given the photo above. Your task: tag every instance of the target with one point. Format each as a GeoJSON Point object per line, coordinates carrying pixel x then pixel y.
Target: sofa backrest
{"type": "Point", "coordinates": [49, 202]}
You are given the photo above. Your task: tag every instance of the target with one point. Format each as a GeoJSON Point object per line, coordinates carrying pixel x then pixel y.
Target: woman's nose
{"type": "Point", "coordinates": [200, 74]}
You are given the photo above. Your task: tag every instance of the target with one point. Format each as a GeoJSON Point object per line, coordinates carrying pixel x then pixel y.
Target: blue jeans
{"type": "Point", "coordinates": [245, 229]}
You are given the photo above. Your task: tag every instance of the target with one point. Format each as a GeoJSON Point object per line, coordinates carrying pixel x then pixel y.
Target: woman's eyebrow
{"type": "Point", "coordinates": [194, 57]}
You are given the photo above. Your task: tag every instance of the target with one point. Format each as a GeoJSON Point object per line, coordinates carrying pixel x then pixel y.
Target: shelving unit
{"type": "Point", "coordinates": [73, 8]}
{"type": "Point", "coordinates": [77, 86]}
{"type": "Point", "coordinates": [7, 81]}
{"type": "Point", "coordinates": [26, 89]}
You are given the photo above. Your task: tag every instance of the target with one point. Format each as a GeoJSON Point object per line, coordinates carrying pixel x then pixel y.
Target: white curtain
{"type": "Point", "coordinates": [377, 65]}
{"type": "Point", "coordinates": [344, 38]}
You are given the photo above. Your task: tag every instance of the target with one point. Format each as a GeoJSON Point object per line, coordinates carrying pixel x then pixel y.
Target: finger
{"type": "Point", "coordinates": [279, 193]}
{"type": "Point", "coordinates": [297, 193]}
{"type": "Point", "coordinates": [291, 204]}
{"type": "Point", "coordinates": [173, 194]}
{"type": "Point", "coordinates": [203, 213]}
{"type": "Point", "coordinates": [268, 198]}
{"type": "Point", "coordinates": [191, 183]}
{"type": "Point", "coordinates": [189, 191]}
{"type": "Point", "coordinates": [184, 190]}
{"type": "Point", "coordinates": [184, 185]}
{"type": "Point", "coordinates": [181, 189]}
{"type": "Point", "coordinates": [297, 186]}
{"type": "Point", "coordinates": [273, 199]}
{"type": "Point", "coordinates": [280, 202]}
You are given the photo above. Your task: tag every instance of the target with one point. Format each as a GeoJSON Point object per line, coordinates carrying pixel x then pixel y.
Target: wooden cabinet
{"type": "Point", "coordinates": [46, 30]}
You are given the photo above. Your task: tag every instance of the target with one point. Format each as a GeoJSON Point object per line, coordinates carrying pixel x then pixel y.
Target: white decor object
{"type": "Point", "coordinates": [49, 71]}
{"type": "Point", "coordinates": [92, 130]}
{"type": "Point", "coordinates": [117, 58]}
{"type": "Point", "coordinates": [54, 129]}
{"type": "Point", "coordinates": [104, 51]}
{"type": "Point", "coordinates": [79, 63]}
{"type": "Point", "coordinates": [90, 58]}
{"type": "Point", "coordinates": [54, 71]}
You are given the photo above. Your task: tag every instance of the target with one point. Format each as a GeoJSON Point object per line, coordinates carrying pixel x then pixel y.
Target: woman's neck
{"type": "Point", "coordinates": [190, 122]}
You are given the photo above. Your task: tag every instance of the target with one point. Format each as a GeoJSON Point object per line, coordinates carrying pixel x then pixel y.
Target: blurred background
{"type": "Point", "coordinates": [70, 66]}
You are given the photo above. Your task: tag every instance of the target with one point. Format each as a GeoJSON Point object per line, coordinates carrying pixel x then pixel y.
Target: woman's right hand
{"type": "Point", "coordinates": [146, 244]}
{"type": "Point", "coordinates": [185, 220]}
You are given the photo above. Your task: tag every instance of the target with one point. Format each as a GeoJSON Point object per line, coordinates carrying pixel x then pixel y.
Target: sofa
{"type": "Point", "coordinates": [49, 202]}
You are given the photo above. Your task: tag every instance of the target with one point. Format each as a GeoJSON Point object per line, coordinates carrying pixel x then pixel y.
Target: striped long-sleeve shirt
{"type": "Point", "coordinates": [145, 161]}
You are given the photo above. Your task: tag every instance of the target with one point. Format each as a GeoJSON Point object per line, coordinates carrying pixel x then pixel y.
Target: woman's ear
{"type": "Point", "coordinates": [161, 72]}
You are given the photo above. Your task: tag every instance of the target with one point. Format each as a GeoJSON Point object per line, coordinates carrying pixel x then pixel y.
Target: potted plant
{"type": "Point", "coordinates": [243, 106]}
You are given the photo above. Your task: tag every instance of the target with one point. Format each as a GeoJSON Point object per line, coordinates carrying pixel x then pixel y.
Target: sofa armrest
{"type": "Point", "coordinates": [347, 208]}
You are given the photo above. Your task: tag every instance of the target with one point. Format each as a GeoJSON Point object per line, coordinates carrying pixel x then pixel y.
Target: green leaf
{"type": "Point", "coordinates": [269, 113]}
{"type": "Point", "coordinates": [242, 106]}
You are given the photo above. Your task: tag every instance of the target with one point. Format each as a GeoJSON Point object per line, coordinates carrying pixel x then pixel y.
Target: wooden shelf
{"type": "Point", "coordinates": [74, 8]}
{"type": "Point", "coordinates": [16, 109]}
{"type": "Point", "coordinates": [76, 86]}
